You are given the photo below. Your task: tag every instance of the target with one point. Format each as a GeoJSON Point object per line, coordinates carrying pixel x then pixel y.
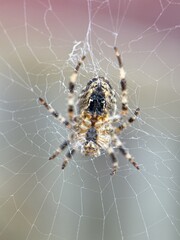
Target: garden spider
{"type": "Point", "coordinates": [92, 129]}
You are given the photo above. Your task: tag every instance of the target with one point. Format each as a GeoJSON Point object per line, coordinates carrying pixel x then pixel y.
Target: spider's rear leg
{"type": "Point", "coordinates": [124, 98]}
{"type": "Point", "coordinates": [72, 83]}
{"type": "Point", "coordinates": [60, 149]}
{"type": "Point", "coordinates": [53, 112]}
{"type": "Point", "coordinates": [128, 122]}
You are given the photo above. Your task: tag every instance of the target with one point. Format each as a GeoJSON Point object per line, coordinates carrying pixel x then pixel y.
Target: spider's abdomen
{"type": "Point", "coordinates": [97, 102]}
{"type": "Point", "coordinates": [97, 98]}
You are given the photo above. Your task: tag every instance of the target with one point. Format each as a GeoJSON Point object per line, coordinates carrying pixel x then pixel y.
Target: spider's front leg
{"type": "Point", "coordinates": [68, 157]}
{"type": "Point", "coordinates": [68, 154]}
{"type": "Point", "coordinates": [72, 83]}
{"type": "Point", "coordinates": [124, 97]}
{"type": "Point", "coordinates": [125, 153]}
{"type": "Point", "coordinates": [59, 149]}
{"type": "Point", "coordinates": [114, 160]}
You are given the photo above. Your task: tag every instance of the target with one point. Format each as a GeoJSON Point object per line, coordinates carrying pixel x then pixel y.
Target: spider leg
{"type": "Point", "coordinates": [127, 123]}
{"type": "Point", "coordinates": [115, 119]}
{"type": "Point", "coordinates": [124, 98]}
{"type": "Point", "coordinates": [60, 149]}
{"type": "Point", "coordinates": [55, 113]}
{"type": "Point", "coordinates": [68, 157]}
{"type": "Point", "coordinates": [125, 152]}
{"type": "Point", "coordinates": [72, 83]}
{"type": "Point", "coordinates": [114, 160]}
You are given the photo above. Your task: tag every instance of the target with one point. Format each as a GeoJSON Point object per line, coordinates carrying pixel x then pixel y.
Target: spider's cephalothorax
{"type": "Point", "coordinates": [92, 128]}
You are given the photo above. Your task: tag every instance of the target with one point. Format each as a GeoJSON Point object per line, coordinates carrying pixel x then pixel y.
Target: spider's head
{"type": "Point", "coordinates": [90, 149]}
{"type": "Point", "coordinates": [97, 102]}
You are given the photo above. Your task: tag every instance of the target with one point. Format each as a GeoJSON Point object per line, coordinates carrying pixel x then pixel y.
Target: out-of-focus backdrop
{"type": "Point", "coordinates": [40, 44]}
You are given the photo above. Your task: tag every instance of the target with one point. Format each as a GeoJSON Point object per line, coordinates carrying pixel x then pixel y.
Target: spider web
{"type": "Point", "coordinates": [41, 42]}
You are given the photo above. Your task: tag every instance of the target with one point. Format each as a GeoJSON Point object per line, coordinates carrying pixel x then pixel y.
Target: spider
{"type": "Point", "coordinates": [92, 128]}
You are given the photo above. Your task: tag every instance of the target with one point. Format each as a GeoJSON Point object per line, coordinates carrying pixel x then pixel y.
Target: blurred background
{"type": "Point", "coordinates": [40, 44]}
